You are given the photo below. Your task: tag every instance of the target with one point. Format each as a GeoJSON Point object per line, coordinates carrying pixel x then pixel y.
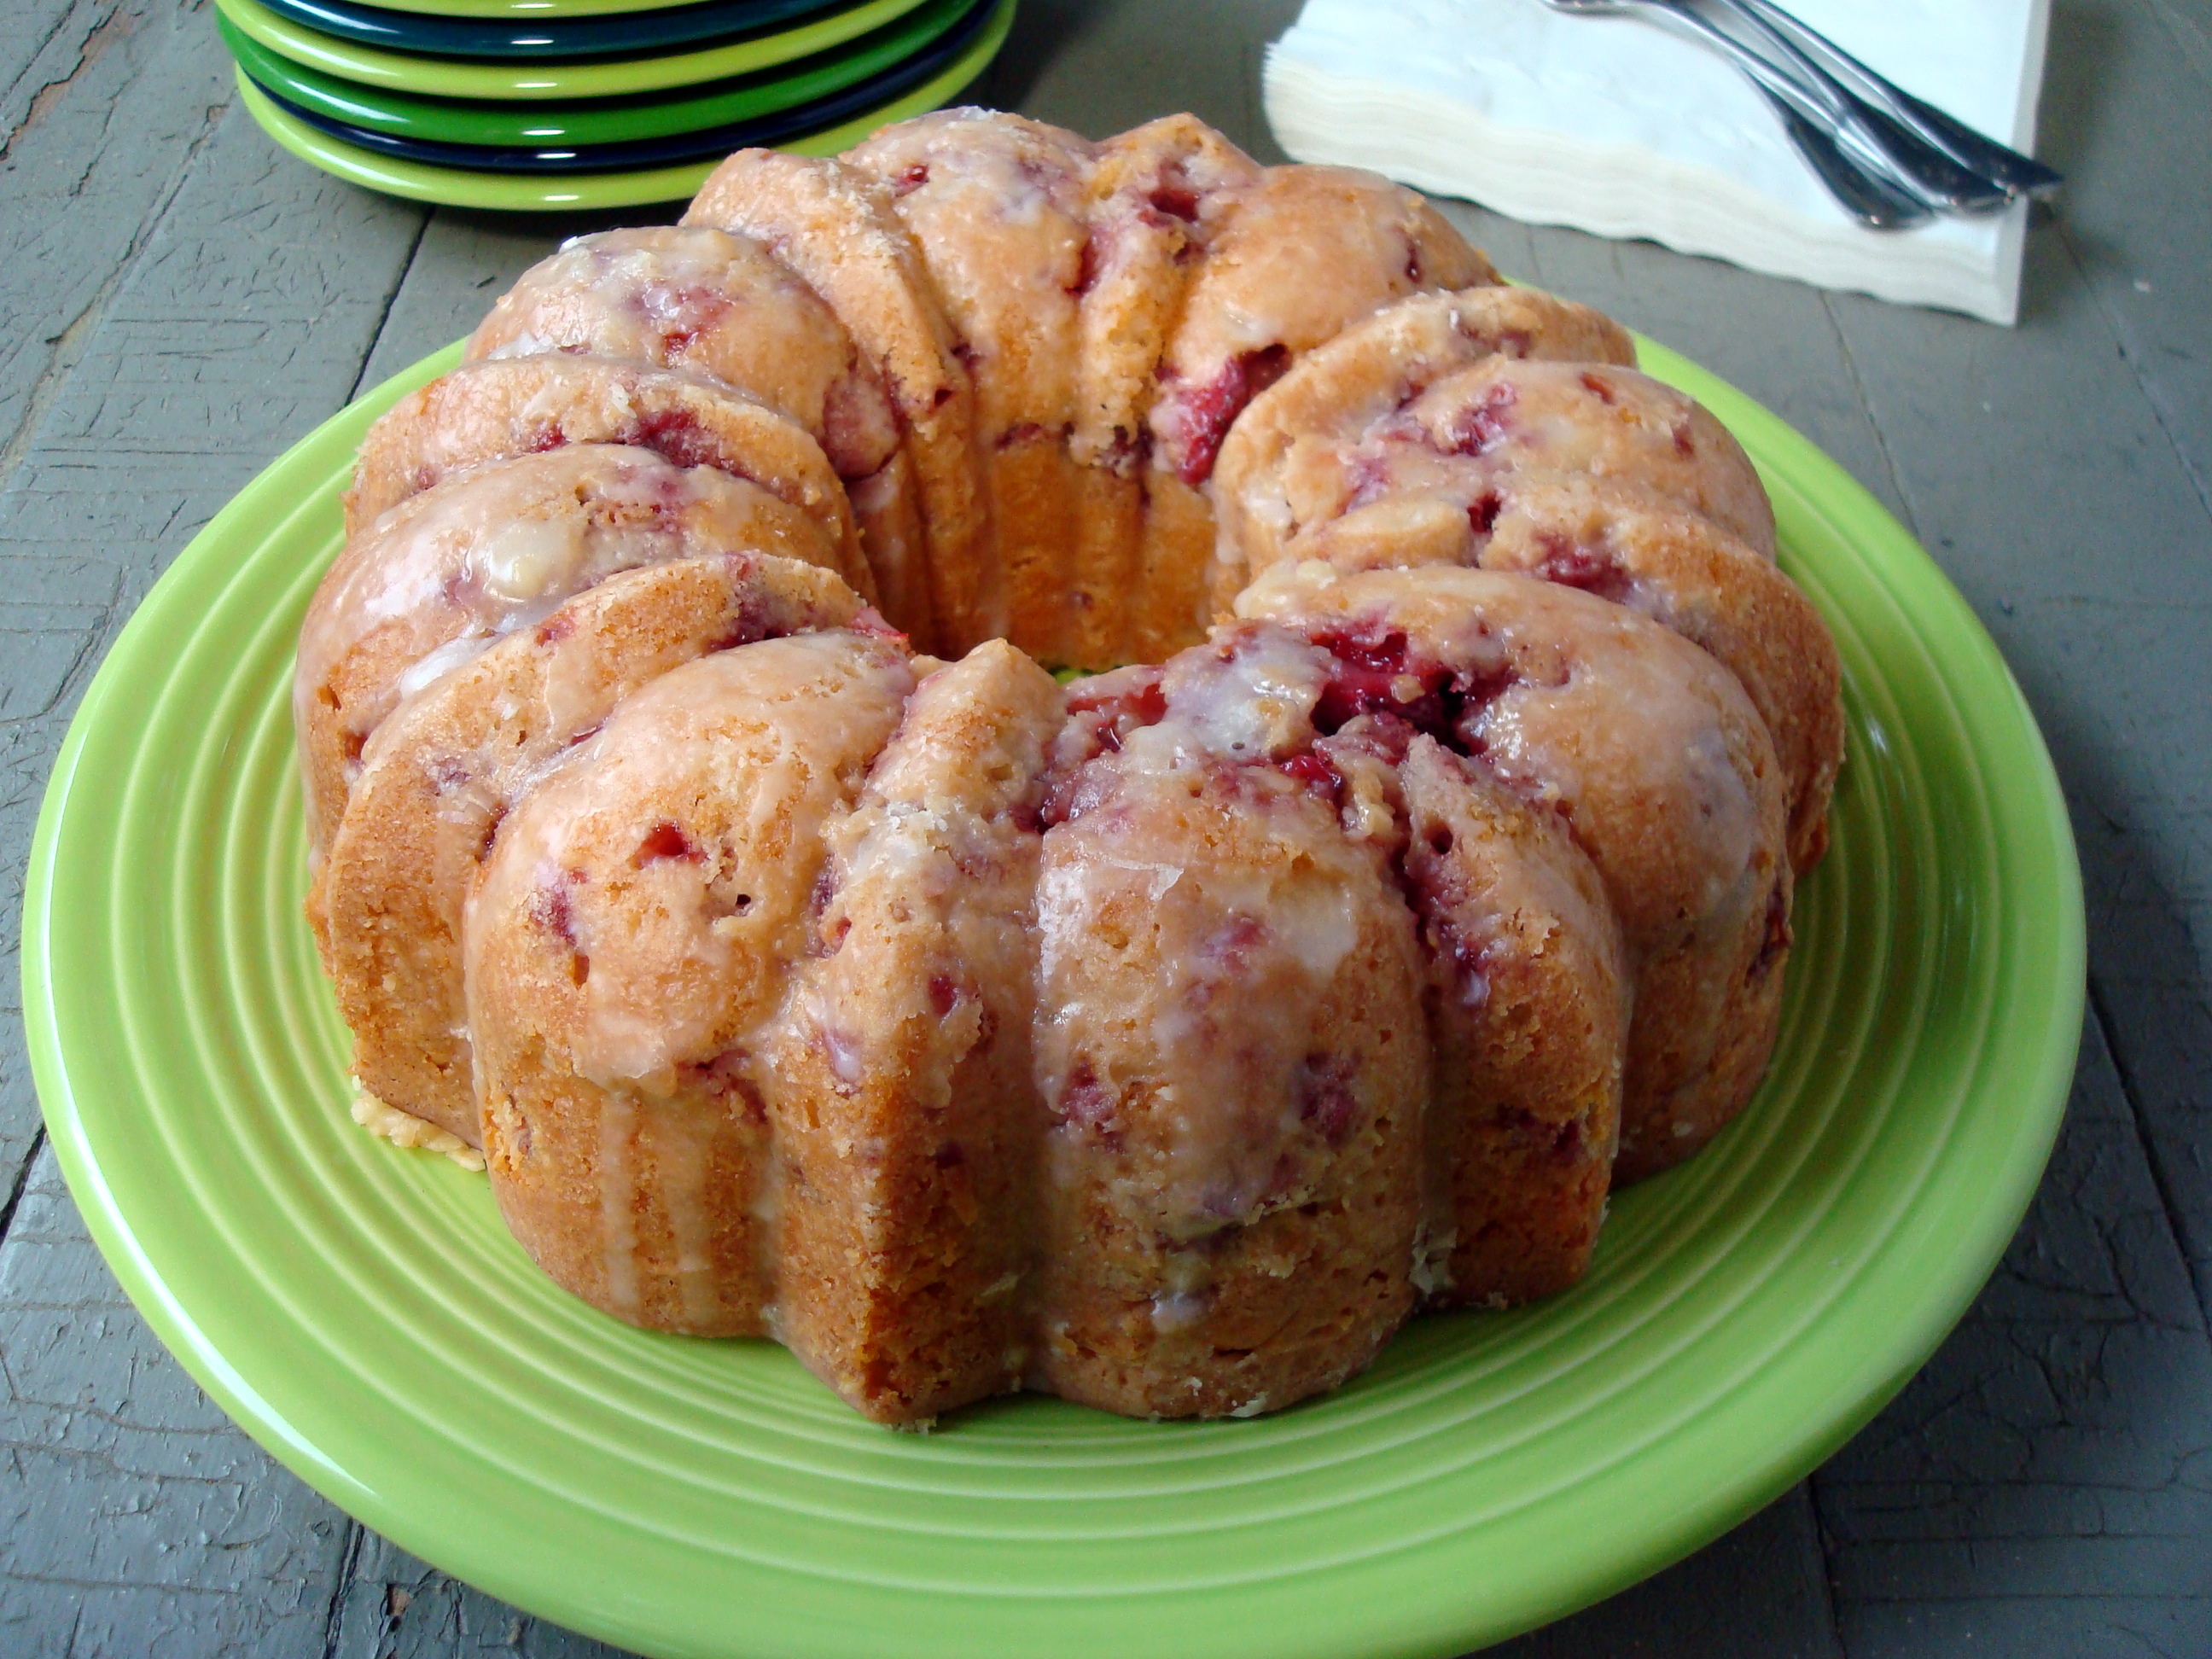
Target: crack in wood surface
{"type": "Point", "coordinates": [21, 1178]}
{"type": "Point", "coordinates": [2154, 1152]}
{"type": "Point", "coordinates": [2151, 388]}
{"type": "Point", "coordinates": [391, 297]}
{"type": "Point", "coordinates": [105, 32]}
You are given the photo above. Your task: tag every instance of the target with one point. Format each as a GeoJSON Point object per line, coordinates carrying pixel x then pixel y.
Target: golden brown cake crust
{"type": "Point", "coordinates": [836, 226]}
{"type": "Point", "coordinates": [696, 298]}
{"type": "Point", "coordinates": [1159, 193]}
{"type": "Point", "coordinates": [907, 1113]}
{"type": "Point", "coordinates": [1680, 568]}
{"type": "Point", "coordinates": [1231, 1044]}
{"type": "Point", "coordinates": [490, 548]}
{"type": "Point", "coordinates": [1620, 541]}
{"type": "Point", "coordinates": [442, 772]}
{"type": "Point", "coordinates": [1414, 470]}
{"type": "Point", "coordinates": [1260, 296]}
{"type": "Point", "coordinates": [998, 206]}
{"type": "Point", "coordinates": [522, 405]}
{"type": "Point", "coordinates": [1218, 1248]}
{"type": "Point", "coordinates": [1263, 294]}
{"type": "Point", "coordinates": [1338, 391]}
{"type": "Point", "coordinates": [1664, 773]}
{"type": "Point", "coordinates": [1163, 1042]}
{"type": "Point", "coordinates": [1529, 991]}
{"type": "Point", "coordinates": [629, 951]}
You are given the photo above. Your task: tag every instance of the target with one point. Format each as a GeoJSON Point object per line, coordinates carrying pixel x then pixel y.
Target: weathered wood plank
{"type": "Point", "coordinates": [2047, 479]}
{"type": "Point", "coordinates": [244, 321]}
{"type": "Point", "coordinates": [135, 1520]}
{"type": "Point", "coordinates": [2139, 227]}
{"type": "Point", "coordinates": [100, 124]}
{"type": "Point", "coordinates": [2041, 1486]}
{"type": "Point", "coordinates": [30, 59]}
{"type": "Point", "coordinates": [80, 192]}
{"type": "Point", "coordinates": [2191, 29]}
{"type": "Point", "coordinates": [393, 1607]}
{"type": "Point", "coordinates": [2139, 201]}
{"type": "Point", "coordinates": [1099, 68]}
{"type": "Point", "coordinates": [1760, 1593]}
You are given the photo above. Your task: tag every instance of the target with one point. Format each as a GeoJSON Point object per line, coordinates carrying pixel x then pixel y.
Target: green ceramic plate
{"type": "Point", "coordinates": [361, 1313]}
{"type": "Point", "coordinates": [578, 192]}
{"type": "Point", "coordinates": [508, 10]}
{"type": "Point", "coordinates": [453, 77]}
{"type": "Point", "coordinates": [604, 121]}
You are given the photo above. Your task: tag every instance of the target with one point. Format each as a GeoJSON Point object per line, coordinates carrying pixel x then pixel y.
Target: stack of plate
{"type": "Point", "coordinates": [574, 104]}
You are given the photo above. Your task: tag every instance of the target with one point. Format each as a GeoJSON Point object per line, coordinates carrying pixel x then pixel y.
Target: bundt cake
{"type": "Point", "coordinates": [1408, 861]}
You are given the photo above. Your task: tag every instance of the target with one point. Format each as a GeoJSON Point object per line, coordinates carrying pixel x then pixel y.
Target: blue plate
{"type": "Point", "coordinates": [628, 35]}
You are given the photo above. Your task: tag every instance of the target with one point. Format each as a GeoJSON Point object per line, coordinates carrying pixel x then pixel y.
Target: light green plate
{"type": "Point", "coordinates": [599, 121]}
{"type": "Point", "coordinates": [522, 193]}
{"type": "Point", "coordinates": [361, 1313]}
{"type": "Point", "coordinates": [454, 77]}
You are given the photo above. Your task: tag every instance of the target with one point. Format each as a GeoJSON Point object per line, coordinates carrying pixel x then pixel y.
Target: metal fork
{"type": "Point", "coordinates": [2018, 175]}
{"type": "Point", "coordinates": [1878, 134]}
{"type": "Point", "coordinates": [1873, 200]}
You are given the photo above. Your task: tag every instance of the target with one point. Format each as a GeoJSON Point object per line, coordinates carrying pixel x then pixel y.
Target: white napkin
{"type": "Point", "coordinates": [1616, 126]}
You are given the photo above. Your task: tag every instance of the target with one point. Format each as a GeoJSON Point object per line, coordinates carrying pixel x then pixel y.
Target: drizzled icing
{"type": "Point", "coordinates": [1000, 203]}
{"type": "Point", "coordinates": [1632, 734]}
{"type": "Point", "coordinates": [1237, 917]}
{"type": "Point", "coordinates": [1444, 452]}
{"type": "Point", "coordinates": [934, 864]}
{"type": "Point", "coordinates": [798, 954]}
{"type": "Point", "coordinates": [689, 950]}
{"type": "Point", "coordinates": [496, 548]}
{"type": "Point", "coordinates": [697, 298]}
{"type": "Point", "coordinates": [644, 912]}
{"type": "Point", "coordinates": [1260, 298]}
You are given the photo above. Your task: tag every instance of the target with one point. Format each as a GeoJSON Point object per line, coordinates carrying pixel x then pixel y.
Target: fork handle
{"type": "Point", "coordinates": [2023, 174]}
{"type": "Point", "coordinates": [1874, 136]}
{"type": "Point", "coordinates": [1866, 194]}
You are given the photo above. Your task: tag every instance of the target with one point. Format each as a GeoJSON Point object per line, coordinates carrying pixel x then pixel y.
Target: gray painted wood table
{"type": "Point", "coordinates": [179, 300]}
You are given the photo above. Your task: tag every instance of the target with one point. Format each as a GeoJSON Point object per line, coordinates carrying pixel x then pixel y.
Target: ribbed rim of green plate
{"type": "Point", "coordinates": [603, 121]}
{"type": "Point", "coordinates": [361, 1313]}
{"type": "Point", "coordinates": [453, 77]}
{"type": "Point", "coordinates": [521, 192]}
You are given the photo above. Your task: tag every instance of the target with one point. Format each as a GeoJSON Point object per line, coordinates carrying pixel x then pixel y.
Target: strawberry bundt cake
{"type": "Point", "coordinates": [1408, 861]}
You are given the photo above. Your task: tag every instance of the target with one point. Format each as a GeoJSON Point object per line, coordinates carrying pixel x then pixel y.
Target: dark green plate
{"type": "Point", "coordinates": [603, 121]}
{"type": "Point", "coordinates": [661, 30]}
{"type": "Point", "coordinates": [511, 10]}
